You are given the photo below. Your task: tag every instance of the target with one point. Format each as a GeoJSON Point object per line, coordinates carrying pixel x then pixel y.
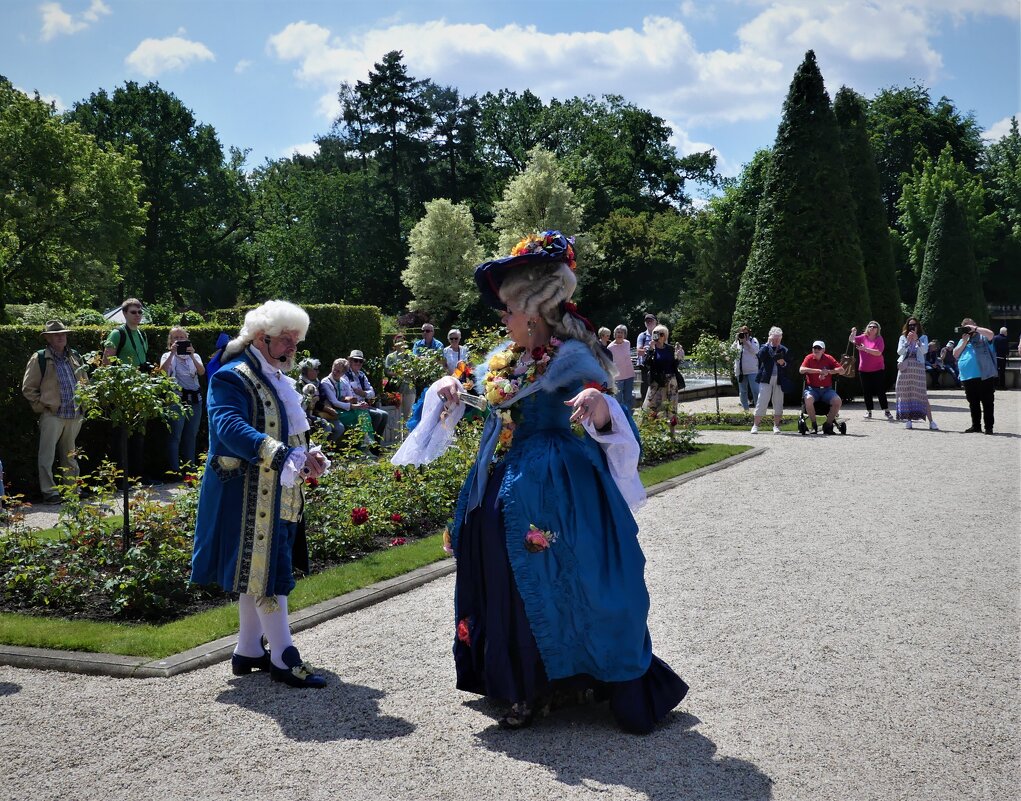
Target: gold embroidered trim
{"type": "Point", "coordinates": [265, 488]}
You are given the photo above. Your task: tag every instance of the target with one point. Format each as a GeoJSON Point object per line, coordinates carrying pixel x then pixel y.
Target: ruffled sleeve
{"type": "Point", "coordinates": [622, 453]}
{"type": "Point", "coordinates": [433, 434]}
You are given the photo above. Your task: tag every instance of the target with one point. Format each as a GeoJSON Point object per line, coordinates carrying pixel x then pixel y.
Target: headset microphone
{"type": "Point", "coordinates": [281, 359]}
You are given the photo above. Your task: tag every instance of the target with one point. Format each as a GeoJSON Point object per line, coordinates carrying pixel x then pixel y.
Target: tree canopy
{"type": "Point", "coordinates": [949, 289]}
{"type": "Point", "coordinates": [70, 213]}
{"type": "Point", "coordinates": [805, 271]}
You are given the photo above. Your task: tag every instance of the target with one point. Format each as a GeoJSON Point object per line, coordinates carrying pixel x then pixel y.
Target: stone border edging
{"type": "Point", "coordinates": [211, 653]}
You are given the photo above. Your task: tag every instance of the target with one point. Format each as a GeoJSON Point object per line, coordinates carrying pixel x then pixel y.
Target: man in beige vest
{"type": "Point", "coordinates": [49, 384]}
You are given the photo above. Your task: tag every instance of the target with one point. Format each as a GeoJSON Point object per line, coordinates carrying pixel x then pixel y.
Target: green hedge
{"type": "Point", "coordinates": [334, 331]}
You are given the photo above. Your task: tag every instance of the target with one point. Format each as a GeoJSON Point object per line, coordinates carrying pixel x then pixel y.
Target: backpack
{"type": "Point", "coordinates": [123, 338]}
{"type": "Point", "coordinates": [41, 356]}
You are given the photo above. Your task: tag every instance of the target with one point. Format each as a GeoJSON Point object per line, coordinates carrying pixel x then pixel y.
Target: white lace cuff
{"type": "Point", "coordinates": [622, 453]}
{"type": "Point", "coordinates": [433, 434]}
{"type": "Point", "coordinates": [291, 471]}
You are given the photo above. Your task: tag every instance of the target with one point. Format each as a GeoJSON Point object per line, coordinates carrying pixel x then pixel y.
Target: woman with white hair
{"type": "Point", "coordinates": [550, 593]}
{"type": "Point", "coordinates": [252, 491]}
{"type": "Point", "coordinates": [455, 352]}
{"type": "Point", "coordinates": [772, 379]}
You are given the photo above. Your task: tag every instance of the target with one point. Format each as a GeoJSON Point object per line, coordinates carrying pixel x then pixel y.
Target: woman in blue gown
{"type": "Point", "coordinates": [550, 599]}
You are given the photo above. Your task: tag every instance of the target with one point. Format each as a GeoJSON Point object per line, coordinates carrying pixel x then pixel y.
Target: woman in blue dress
{"type": "Point", "coordinates": [550, 599]}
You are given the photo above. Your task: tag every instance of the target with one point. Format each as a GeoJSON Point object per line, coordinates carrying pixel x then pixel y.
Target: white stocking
{"type": "Point", "coordinates": [278, 630]}
{"type": "Point", "coordinates": [250, 629]}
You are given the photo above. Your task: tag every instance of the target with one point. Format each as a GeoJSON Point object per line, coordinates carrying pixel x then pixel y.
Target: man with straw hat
{"type": "Point", "coordinates": [49, 384]}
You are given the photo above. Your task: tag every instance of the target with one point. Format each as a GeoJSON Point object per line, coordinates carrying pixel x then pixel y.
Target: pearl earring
{"type": "Point", "coordinates": [531, 326]}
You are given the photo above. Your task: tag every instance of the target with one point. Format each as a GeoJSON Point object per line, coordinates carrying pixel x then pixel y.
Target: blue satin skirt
{"type": "Point", "coordinates": [495, 653]}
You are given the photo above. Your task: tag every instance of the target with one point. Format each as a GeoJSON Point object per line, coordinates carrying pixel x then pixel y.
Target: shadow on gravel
{"type": "Point", "coordinates": [9, 688]}
{"type": "Point", "coordinates": [339, 711]}
{"type": "Point", "coordinates": [583, 748]}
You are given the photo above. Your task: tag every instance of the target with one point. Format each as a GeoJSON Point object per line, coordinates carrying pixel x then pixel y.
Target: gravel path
{"type": "Point", "coordinates": [841, 641]}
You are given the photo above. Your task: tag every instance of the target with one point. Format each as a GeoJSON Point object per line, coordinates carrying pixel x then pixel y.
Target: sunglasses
{"type": "Point", "coordinates": [816, 347]}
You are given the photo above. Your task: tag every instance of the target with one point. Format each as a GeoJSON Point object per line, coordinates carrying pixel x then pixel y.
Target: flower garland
{"type": "Point", "coordinates": [509, 371]}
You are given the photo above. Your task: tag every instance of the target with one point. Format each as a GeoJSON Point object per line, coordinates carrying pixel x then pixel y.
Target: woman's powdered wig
{"type": "Point", "coordinates": [271, 318]}
{"type": "Point", "coordinates": [540, 289]}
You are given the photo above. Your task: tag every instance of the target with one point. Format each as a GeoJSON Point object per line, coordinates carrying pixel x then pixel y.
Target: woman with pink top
{"type": "Point", "coordinates": [620, 350]}
{"type": "Point", "coordinates": [871, 367]}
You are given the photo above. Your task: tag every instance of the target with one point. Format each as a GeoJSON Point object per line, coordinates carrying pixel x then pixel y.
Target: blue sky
{"type": "Point", "coordinates": [265, 74]}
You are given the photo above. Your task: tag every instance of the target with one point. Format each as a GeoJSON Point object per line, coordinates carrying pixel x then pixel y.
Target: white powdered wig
{"type": "Point", "coordinates": [271, 318]}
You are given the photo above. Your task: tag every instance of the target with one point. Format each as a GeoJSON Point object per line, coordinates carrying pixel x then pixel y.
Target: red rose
{"type": "Point", "coordinates": [462, 632]}
{"type": "Point", "coordinates": [673, 421]}
{"type": "Point", "coordinates": [537, 354]}
{"type": "Point", "coordinates": [311, 483]}
{"type": "Point", "coordinates": [396, 518]}
{"type": "Point", "coordinates": [190, 479]}
{"type": "Point", "coordinates": [398, 541]}
{"type": "Point", "coordinates": [397, 475]}
{"type": "Point", "coordinates": [359, 515]}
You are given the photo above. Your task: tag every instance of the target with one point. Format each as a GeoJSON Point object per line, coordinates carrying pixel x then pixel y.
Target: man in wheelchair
{"type": "Point", "coordinates": [819, 368]}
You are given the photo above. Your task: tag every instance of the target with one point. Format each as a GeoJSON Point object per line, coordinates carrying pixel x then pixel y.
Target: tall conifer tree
{"type": "Point", "coordinates": [873, 233]}
{"type": "Point", "coordinates": [805, 271]}
{"type": "Point", "coordinates": [949, 288]}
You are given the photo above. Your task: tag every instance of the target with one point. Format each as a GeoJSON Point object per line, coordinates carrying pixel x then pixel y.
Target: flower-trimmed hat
{"type": "Point", "coordinates": [550, 247]}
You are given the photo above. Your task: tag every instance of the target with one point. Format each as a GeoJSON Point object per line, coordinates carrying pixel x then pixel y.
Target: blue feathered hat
{"type": "Point", "coordinates": [550, 247]}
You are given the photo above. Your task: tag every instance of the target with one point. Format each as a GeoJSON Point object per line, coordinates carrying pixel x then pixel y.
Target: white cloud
{"type": "Point", "coordinates": [57, 22]}
{"type": "Point", "coordinates": [155, 56]}
{"type": "Point", "coordinates": [242, 66]}
{"type": "Point", "coordinates": [658, 65]}
{"type": "Point", "coordinates": [1000, 129]}
{"type": "Point", "coordinates": [304, 149]}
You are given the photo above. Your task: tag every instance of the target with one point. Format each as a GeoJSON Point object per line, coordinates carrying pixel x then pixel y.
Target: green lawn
{"type": "Point", "coordinates": [157, 642]}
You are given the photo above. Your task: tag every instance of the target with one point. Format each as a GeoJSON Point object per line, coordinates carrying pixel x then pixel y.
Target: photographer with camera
{"type": "Point", "coordinates": [912, 397]}
{"type": "Point", "coordinates": [184, 365]}
{"type": "Point", "coordinates": [664, 377]}
{"type": "Point", "coordinates": [746, 366]}
{"type": "Point", "coordinates": [128, 344]}
{"type": "Point", "coordinates": [976, 364]}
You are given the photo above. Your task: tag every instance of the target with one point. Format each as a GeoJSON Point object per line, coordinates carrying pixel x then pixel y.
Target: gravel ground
{"type": "Point", "coordinates": [844, 637]}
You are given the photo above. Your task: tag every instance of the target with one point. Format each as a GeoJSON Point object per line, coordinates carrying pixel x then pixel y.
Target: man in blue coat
{"type": "Point", "coordinates": [252, 490]}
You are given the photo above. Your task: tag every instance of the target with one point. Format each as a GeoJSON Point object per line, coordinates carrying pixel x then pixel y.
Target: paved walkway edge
{"type": "Point", "coordinates": [220, 650]}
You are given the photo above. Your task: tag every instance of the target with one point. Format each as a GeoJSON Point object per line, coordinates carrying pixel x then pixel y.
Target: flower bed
{"type": "Point", "coordinates": [360, 506]}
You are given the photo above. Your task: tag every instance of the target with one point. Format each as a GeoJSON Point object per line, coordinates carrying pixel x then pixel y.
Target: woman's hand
{"type": "Point", "coordinates": [589, 406]}
{"type": "Point", "coordinates": [912, 336]}
{"type": "Point", "coordinates": [448, 388]}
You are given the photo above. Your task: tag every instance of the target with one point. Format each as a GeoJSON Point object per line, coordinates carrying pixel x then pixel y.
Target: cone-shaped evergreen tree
{"type": "Point", "coordinates": [949, 288]}
{"type": "Point", "coordinates": [873, 233]}
{"type": "Point", "coordinates": [805, 270]}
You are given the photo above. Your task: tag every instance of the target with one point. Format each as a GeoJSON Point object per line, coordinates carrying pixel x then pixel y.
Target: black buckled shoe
{"type": "Point", "coordinates": [827, 428]}
{"type": "Point", "coordinates": [243, 665]}
{"type": "Point", "coordinates": [297, 673]}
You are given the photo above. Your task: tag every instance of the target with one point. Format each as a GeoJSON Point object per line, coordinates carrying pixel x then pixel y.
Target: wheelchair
{"type": "Point", "coordinates": [821, 410]}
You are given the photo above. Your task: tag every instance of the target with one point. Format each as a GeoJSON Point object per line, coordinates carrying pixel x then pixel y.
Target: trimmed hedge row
{"type": "Point", "coordinates": [334, 331]}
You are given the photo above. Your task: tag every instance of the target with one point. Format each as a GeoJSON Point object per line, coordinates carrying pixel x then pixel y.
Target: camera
{"type": "Point", "coordinates": [964, 329]}
{"type": "Point", "coordinates": [182, 346]}
{"type": "Point", "coordinates": [741, 335]}
{"type": "Point", "coordinates": [912, 327]}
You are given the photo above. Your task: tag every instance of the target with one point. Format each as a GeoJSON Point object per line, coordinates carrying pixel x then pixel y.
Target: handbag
{"type": "Point", "coordinates": [326, 412]}
{"type": "Point", "coordinates": [848, 363]}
